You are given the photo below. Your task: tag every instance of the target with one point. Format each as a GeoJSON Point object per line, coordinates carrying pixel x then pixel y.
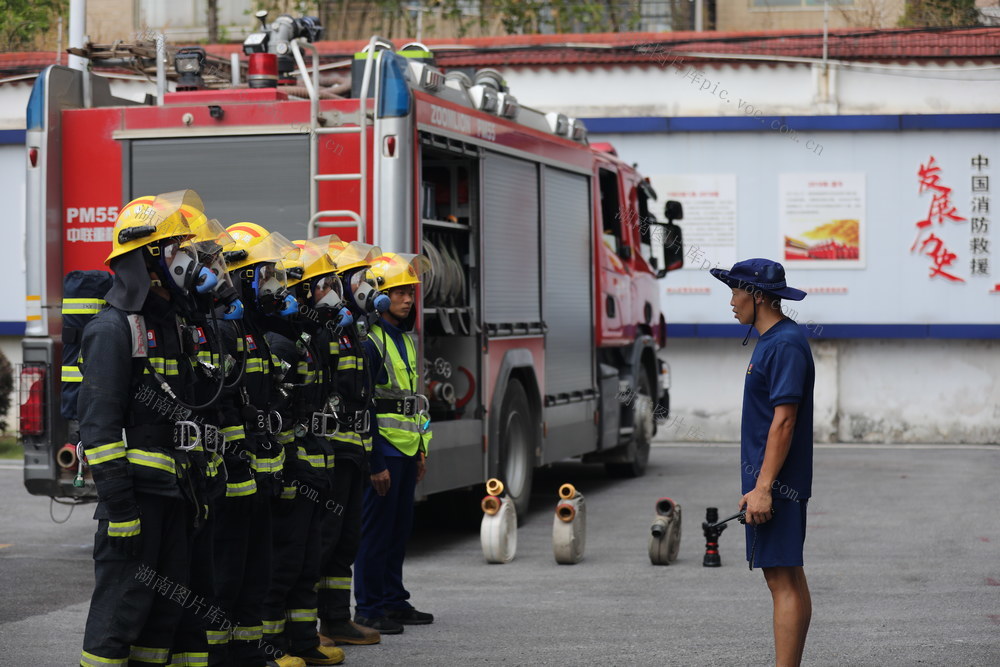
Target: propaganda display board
{"type": "Point", "coordinates": [879, 227]}
{"type": "Point", "coordinates": [12, 161]}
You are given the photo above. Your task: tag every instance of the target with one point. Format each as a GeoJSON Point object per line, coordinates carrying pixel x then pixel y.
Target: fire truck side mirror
{"type": "Point", "coordinates": [673, 249]}
{"type": "Point", "coordinates": [673, 211]}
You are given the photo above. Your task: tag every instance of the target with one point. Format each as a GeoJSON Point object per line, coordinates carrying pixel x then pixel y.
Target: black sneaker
{"type": "Point", "coordinates": [410, 616]}
{"type": "Point", "coordinates": [347, 632]}
{"type": "Point", "coordinates": [384, 625]}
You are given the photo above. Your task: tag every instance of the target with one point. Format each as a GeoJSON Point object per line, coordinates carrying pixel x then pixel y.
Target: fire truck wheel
{"type": "Point", "coordinates": [637, 452]}
{"type": "Point", "coordinates": [517, 447]}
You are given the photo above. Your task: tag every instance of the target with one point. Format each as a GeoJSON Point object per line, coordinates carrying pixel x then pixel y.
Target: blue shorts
{"type": "Point", "coordinates": [779, 541]}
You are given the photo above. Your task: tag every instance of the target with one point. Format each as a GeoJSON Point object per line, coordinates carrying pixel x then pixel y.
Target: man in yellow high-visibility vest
{"type": "Point", "coordinates": [399, 450]}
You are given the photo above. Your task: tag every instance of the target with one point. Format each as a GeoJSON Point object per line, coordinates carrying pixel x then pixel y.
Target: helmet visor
{"type": "Point", "coordinates": [208, 233]}
{"type": "Point", "coordinates": [171, 212]}
{"type": "Point", "coordinates": [315, 256]}
{"type": "Point", "coordinates": [274, 248]}
{"type": "Point", "coordinates": [163, 213]}
{"type": "Point", "coordinates": [354, 254]}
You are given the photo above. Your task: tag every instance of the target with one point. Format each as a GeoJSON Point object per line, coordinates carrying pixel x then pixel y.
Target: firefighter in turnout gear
{"type": "Point", "coordinates": [353, 398]}
{"type": "Point", "coordinates": [398, 455]}
{"type": "Point", "coordinates": [213, 307]}
{"type": "Point", "coordinates": [290, 608]}
{"type": "Point", "coordinates": [141, 428]}
{"type": "Point", "coordinates": [241, 529]}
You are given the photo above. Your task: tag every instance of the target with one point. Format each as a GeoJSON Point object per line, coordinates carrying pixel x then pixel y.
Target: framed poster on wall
{"type": "Point", "coordinates": [822, 220]}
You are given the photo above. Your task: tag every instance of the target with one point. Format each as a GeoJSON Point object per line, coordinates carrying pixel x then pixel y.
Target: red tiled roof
{"type": "Point", "coordinates": [638, 48]}
{"type": "Point", "coordinates": [27, 61]}
{"type": "Point", "coordinates": [633, 48]}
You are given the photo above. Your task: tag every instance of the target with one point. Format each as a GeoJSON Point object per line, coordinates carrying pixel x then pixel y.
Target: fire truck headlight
{"type": "Point", "coordinates": [188, 63]}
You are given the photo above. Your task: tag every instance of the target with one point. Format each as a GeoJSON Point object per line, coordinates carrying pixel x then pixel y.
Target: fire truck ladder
{"type": "Point", "coordinates": [338, 217]}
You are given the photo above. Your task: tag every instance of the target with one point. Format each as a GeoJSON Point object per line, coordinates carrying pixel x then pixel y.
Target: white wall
{"type": "Point", "coordinates": [707, 88]}
{"type": "Point", "coordinates": [186, 19]}
{"type": "Point", "coordinates": [877, 391]}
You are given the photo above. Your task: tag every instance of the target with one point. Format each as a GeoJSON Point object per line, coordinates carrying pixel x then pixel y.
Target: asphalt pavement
{"type": "Point", "coordinates": [901, 556]}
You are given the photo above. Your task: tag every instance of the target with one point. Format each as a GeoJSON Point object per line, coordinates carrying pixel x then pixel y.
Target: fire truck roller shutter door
{"type": "Point", "coordinates": [568, 281]}
{"type": "Point", "coordinates": [511, 283]}
{"type": "Point", "coordinates": [259, 177]}
{"type": "Point", "coordinates": [567, 308]}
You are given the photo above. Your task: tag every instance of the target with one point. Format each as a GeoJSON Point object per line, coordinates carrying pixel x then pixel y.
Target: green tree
{"type": "Point", "coordinates": [939, 13]}
{"type": "Point", "coordinates": [566, 16]}
{"type": "Point", "coordinates": [6, 390]}
{"type": "Point", "coordinates": [22, 22]}
{"type": "Point", "coordinates": [212, 20]}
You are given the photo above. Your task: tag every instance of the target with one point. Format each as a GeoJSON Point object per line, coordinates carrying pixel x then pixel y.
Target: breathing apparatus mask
{"type": "Point", "coordinates": [365, 293]}
{"type": "Point", "coordinates": [184, 272]}
{"type": "Point", "coordinates": [353, 260]}
{"type": "Point", "coordinates": [268, 283]}
{"type": "Point", "coordinates": [328, 300]}
{"type": "Point", "coordinates": [291, 304]}
{"type": "Point", "coordinates": [210, 237]}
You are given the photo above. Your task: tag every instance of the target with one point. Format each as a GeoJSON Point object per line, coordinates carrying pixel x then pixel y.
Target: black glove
{"type": "Point", "coordinates": [124, 527]}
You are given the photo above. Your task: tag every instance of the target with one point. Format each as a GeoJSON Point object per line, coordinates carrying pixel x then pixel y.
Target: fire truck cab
{"type": "Point", "coordinates": [540, 325]}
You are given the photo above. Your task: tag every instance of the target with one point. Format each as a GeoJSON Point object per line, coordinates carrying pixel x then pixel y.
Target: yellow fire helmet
{"type": "Point", "coordinates": [247, 234]}
{"type": "Point", "coordinates": [398, 269]}
{"type": "Point", "coordinates": [252, 244]}
{"type": "Point", "coordinates": [315, 257]}
{"type": "Point", "coordinates": [347, 256]}
{"type": "Point", "coordinates": [148, 219]}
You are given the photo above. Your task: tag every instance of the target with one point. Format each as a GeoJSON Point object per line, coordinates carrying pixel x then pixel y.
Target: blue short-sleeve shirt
{"type": "Point", "coordinates": [781, 371]}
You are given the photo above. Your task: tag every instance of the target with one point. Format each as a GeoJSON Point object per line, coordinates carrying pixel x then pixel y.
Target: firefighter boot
{"type": "Point", "coordinates": [287, 661]}
{"type": "Point", "coordinates": [322, 655]}
{"type": "Point", "coordinates": [347, 632]}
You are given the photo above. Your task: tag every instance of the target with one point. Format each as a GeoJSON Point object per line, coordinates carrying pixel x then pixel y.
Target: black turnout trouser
{"type": "Point", "coordinates": [341, 536]}
{"type": "Point", "coordinates": [138, 602]}
{"type": "Point", "coordinates": [242, 542]}
{"type": "Point", "coordinates": [289, 620]}
{"type": "Point", "coordinates": [190, 645]}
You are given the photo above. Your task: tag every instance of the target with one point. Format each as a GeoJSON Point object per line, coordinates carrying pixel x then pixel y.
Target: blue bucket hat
{"type": "Point", "coordinates": [762, 274]}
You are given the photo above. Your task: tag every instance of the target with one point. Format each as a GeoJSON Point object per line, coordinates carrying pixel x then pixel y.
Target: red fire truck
{"type": "Point", "coordinates": [540, 326]}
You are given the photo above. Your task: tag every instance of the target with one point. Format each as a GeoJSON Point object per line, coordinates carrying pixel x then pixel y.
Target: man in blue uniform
{"type": "Point", "coordinates": [776, 445]}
